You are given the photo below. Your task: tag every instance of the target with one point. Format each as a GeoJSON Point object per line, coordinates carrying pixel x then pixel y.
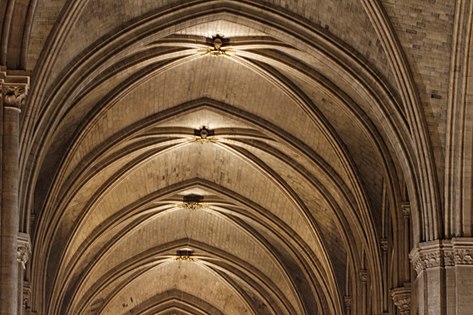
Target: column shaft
{"type": "Point", "coordinates": [10, 212]}
{"type": "Point", "coordinates": [13, 89]}
{"type": "Point", "coordinates": [363, 274]}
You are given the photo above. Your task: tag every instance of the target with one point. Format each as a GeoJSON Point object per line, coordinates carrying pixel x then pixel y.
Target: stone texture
{"type": "Point", "coordinates": [306, 179]}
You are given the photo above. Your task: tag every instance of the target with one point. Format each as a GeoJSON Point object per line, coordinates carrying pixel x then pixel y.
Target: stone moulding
{"type": "Point", "coordinates": [445, 253]}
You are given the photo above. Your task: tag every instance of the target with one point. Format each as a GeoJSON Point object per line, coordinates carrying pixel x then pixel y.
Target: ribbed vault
{"type": "Point", "coordinates": [298, 183]}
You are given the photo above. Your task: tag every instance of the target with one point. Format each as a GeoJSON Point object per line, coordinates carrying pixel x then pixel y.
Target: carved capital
{"type": "Point", "coordinates": [23, 250]}
{"type": "Point", "coordinates": [384, 244]}
{"type": "Point", "coordinates": [406, 208]}
{"type": "Point", "coordinates": [463, 257]}
{"type": "Point", "coordinates": [463, 250]}
{"type": "Point", "coordinates": [429, 255]}
{"type": "Point", "coordinates": [13, 96]}
{"type": "Point", "coordinates": [13, 89]}
{"type": "Point", "coordinates": [347, 301]}
{"type": "Point", "coordinates": [363, 274]}
{"type": "Point", "coordinates": [448, 257]}
{"type": "Point", "coordinates": [445, 253]}
{"type": "Point", "coordinates": [402, 299]}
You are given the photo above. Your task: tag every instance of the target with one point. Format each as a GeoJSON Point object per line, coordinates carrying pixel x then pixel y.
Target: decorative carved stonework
{"type": "Point", "coordinates": [448, 257]}
{"type": "Point", "coordinates": [418, 265]}
{"type": "Point", "coordinates": [184, 258]}
{"type": "Point", "coordinates": [192, 202]}
{"type": "Point", "coordinates": [431, 260]}
{"type": "Point", "coordinates": [184, 254]}
{"type": "Point", "coordinates": [402, 299]}
{"type": "Point", "coordinates": [13, 89]}
{"type": "Point", "coordinates": [384, 244]}
{"type": "Point", "coordinates": [191, 205]}
{"type": "Point", "coordinates": [463, 257]}
{"type": "Point", "coordinates": [406, 208]}
{"type": "Point", "coordinates": [363, 275]}
{"type": "Point", "coordinates": [430, 256]}
{"type": "Point", "coordinates": [445, 253]}
{"type": "Point", "coordinates": [13, 96]}
{"type": "Point", "coordinates": [204, 134]}
{"type": "Point", "coordinates": [216, 48]}
{"type": "Point", "coordinates": [23, 251]}
{"type": "Point", "coordinates": [347, 300]}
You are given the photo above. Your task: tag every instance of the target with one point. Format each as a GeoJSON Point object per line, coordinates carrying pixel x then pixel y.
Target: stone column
{"type": "Point", "coordinates": [26, 301]}
{"type": "Point", "coordinates": [444, 276]}
{"type": "Point", "coordinates": [429, 261]}
{"type": "Point", "coordinates": [463, 266]}
{"type": "Point", "coordinates": [364, 291]}
{"type": "Point", "coordinates": [384, 260]}
{"type": "Point", "coordinates": [23, 253]}
{"type": "Point", "coordinates": [406, 243]}
{"type": "Point", "coordinates": [347, 301]}
{"type": "Point", "coordinates": [13, 91]}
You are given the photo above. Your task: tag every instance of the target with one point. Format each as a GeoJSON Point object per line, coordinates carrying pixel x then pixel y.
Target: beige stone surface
{"type": "Point", "coordinates": [336, 178]}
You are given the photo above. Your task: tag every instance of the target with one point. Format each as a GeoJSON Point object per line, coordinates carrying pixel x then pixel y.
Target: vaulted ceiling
{"type": "Point", "coordinates": [318, 136]}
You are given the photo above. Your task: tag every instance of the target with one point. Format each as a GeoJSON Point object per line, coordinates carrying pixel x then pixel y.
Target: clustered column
{"type": "Point", "coordinates": [363, 274]}
{"type": "Point", "coordinates": [444, 276]}
{"type": "Point", "coordinates": [402, 295]}
{"type": "Point", "coordinates": [13, 90]}
{"type": "Point", "coordinates": [347, 301]}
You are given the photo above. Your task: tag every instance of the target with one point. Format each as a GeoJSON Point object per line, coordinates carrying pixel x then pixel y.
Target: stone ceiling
{"type": "Point", "coordinates": [310, 150]}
